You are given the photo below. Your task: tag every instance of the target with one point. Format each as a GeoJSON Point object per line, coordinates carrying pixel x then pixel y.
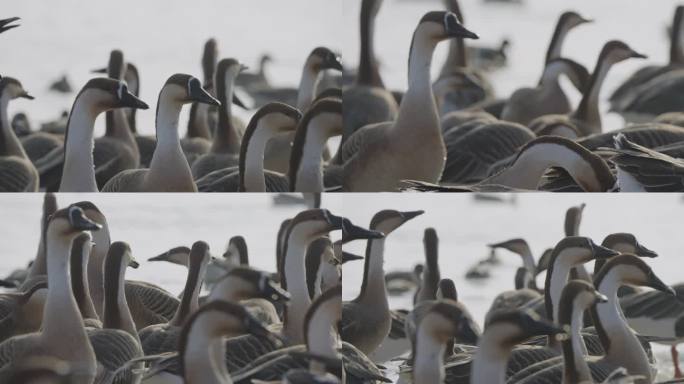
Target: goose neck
{"type": "Point", "coordinates": [9, 142]}
{"type": "Point", "coordinates": [227, 139]}
{"type": "Point", "coordinates": [557, 40]}
{"type": "Point", "coordinates": [308, 176]}
{"type": "Point", "coordinates": [457, 57]}
{"type": "Point", "coordinates": [204, 353]}
{"type": "Point", "coordinates": [190, 301]}
{"type": "Point", "coordinates": [79, 167]}
{"type": "Point", "coordinates": [321, 339]}
{"type": "Point", "coordinates": [252, 163]}
{"type": "Point", "coordinates": [373, 290]}
{"type": "Point", "coordinates": [96, 267]}
{"type": "Point", "coordinates": [368, 73]}
{"type": "Point", "coordinates": [198, 122]}
{"type": "Point", "coordinates": [588, 108]}
{"type": "Point", "coordinates": [489, 363]}
{"type": "Point", "coordinates": [308, 86]}
{"type": "Point", "coordinates": [618, 340]}
{"type": "Point", "coordinates": [428, 366]}
{"type": "Point", "coordinates": [677, 40]}
{"type": "Point", "coordinates": [575, 368]}
{"type": "Point", "coordinates": [295, 277]}
{"type": "Point", "coordinates": [557, 277]}
{"type": "Point", "coordinates": [79, 280]}
{"type": "Point", "coordinates": [117, 315]}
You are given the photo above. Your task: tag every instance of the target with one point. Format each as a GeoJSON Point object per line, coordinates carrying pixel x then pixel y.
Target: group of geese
{"type": "Point", "coordinates": [283, 148]}
{"type": "Point", "coordinates": [531, 335]}
{"type": "Point", "coordinates": [453, 134]}
{"type": "Point", "coordinates": [74, 317]}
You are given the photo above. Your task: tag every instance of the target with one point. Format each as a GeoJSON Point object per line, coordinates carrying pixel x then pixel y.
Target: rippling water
{"type": "Point", "coordinates": [465, 226]}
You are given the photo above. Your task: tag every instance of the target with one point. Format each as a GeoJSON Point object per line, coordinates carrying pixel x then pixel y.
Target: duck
{"type": "Point", "coordinates": [362, 327]}
{"type": "Point", "coordinates": [320, 59]}
{"type": "Point", "coordinates": [401, 282]}
{"type": "Point", "coordinates": [586, 118]}
{"type": "Point", "coordinates": [17, 172]}
{"type": "Point", "coordinates": [97, 95]}
{"type": "Point", "coordinates": [367, 101]}
{"type": "Point", "coordinates": [367, 154]}
{"type": "Point", "coordinates": [179, 89]}
{"type": "Point", "coordinates": [63, 335]}
{"type": "Point", "coordinates": [225, 148]}
{"type": "Point", "coordinates": [269, 121]}
{"type": "Point", "coordinates": [527, 170]}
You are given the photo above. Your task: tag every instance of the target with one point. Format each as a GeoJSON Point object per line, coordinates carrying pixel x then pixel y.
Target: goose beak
{"type": "Point", "coordinates": [243, 68]}
{"type": "Point", "coordinates": [238, 102]}
{"type": "Point", "coordinates": [655, 283]}
{"type": "Point", "coordinates": [346, 256]}
{"type": "Point", "coordinates": [200, 95]}
{"type": "Point", "coordinates": [162, 257]}
{"type": "Point", "coordinates": [7, 284]}
{"type": "Point", "coordinates": [80, 221]}
{"type": "Point", "coordinates": [133, 264]}
{"type": "Point", "coordinates": [543, 327]}
{"type": "Point", "coordinates": [638, 55]}
{"type": "Point", "coordinates": [352, 232]}
{"type": "Point", "coordinates": [129, 100]}
{"type": "Point", "coordinates": [411, 214]}
{"type": "Point", "coordinates": [99, 70]}
{"type": "Point", "coordinates": [585, 21]}
{"type": "Point", "coordinates": [456, 29]}
{"type": "Point", "coordinates": [4, 24]}
{"type": "Point", "coordinates": [332, 61]}
{"type": "Point", "coordinates": [642, 251]}
{"type": "Point", "coordinates": [335, 221]}
{"type": "Point", "coordinates": [26, 95]}
{"type": "Point", "coordinates": [601, 252]}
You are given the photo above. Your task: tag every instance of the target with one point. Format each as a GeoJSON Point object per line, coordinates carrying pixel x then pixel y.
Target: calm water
{"type": "Point", "coordinates": [154, 223]}
{"type": "Point", "coordinates": [465, 227]}
{"type": "Point", "coordinates": [161, 37]}
{"type": "Point", "coordinates": [641, 24]}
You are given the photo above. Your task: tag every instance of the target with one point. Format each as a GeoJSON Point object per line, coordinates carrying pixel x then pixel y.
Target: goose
{"type": "Point", "coordinates": [502, 332]}
{"type": "Point", "coordinates": [429, 283]}
{"type": "Point", "coordinates": [320, 59]}
{"type": "Point", "coordinates": [458, 86]}
{"type": "Point", "coordinates": [517, 108]}
{"type": "Point", "coordinates": [6, 24]}
{"type": "Point", "coordinates": [118, 148]}
{"type": "Point", "coordinates": [225, 148]}
{"type": "Point", "coordinates": [322, 121]}
{"type": "Point", "coordinates": [367, 155]}
{"type": "Point", "coordinates": [623, 243]}
{"type": "Point", "coordinates": [97, 96]}
{"type": "Point", "coordinates": [201, 347]}
{"type": "Point", "coordinates": [366, 320]}
{"type": "Point", "coordinates": [587, 169]}
{"type": "Point", "coordinates": [639, 82]}
{"type": "Point", "coordinates": [400, 282]}
{"type": "Point", "coordinates": [640, 169]}
{"type": "Point", "coordinates": [257, 80]}
{"type": "Point", "coordinates": [14, 310]}
{"type": "Point", "coordinates": [236, 254]}
{"type": "Point", "coordinates": [367, 101]}
{"type": "Point", "coordinates": [179, 89]}
{"type": "Point", "coordinates": [114, 340]}
{"type": "Point", "coordinates": [17, 173]}
{"type": "Point", "coordinates": [577, 297]}
{"type": "Point", "coordinates": [526, 104]}
{"type": "Point", "coordinates": [63, 335]}
{"type": "Point", "coordinates": [521, 248]}
{"type": "Point", "coordinates": [322, 267]}
{"type": "Point", "coordinates": [586, 118]}
{"type": "Point", "coordinates": [321, 339]}
{"type": "Point", "coordinates": [161, 338]}
{"type": "Point", "coordinates": [487, 58]}
{"type": "Point", "coordinates": [269, 121]}
{"type": "Point", "coordinates": [610, 323]}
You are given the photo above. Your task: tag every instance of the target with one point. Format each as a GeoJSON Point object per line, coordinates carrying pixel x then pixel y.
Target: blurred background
{"type": "Point", "coordinates": [161, 37]}
{"type": "Point", "coordinates": [528, 25]}
{"type": "Point", "coordinates": [465, 225]}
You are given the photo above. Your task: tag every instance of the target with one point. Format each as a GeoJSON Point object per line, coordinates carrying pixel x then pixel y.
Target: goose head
{"type": "Point", "coordinates": [199, 256]}
{"type": "Point", "coordinates": [570, 19]}
{"type": "Point", "coordinates": [236, 253]}
{"type": "Point", "coordinates": [578, 250]}
{"type": "Point", "coordinates": [276, 118]}
{"type": "Point", "coordinates": [107, 94]}
{"type": "Point", "coordinates": [227, 71]}
{"type": "Point", "coordinates": [71, 221]}
{"type": "Point", "coordinates": [6, 24]}
{"type": "Point", "coordinates": [388, 220]}
{"type": "Point", "coordinates": [440, 25]}
{"type": "Point", "coordinates": [120, 254]}
{"type": "Point", "coordinates": [183, 89]}
{"type": "Point", "coordinates": [244, 283]}
{"type": "Point", "coordinates": [446, 289]}
{"type": "Point", "coordinates": [314, 223]}
{"type": "Point", "coordinates": [509, 328]}
{"type": "Point", "coordinates": [616, 51]}
{"type": "Point", "coordinates": [445, 320]}
{"type": "Point", "coordinates": [573, 218]}
{"type": "Point", "coordinates": [518, 246]}
{"type": "Point", "coordinates": [11, 88]}
{"type": "Point", "coordinates": [175, 255]}
{"type": "Point", "coordinates": [627, 243]}
{"type": "Point", "coordinates": [322, 58]}
{"type": "Point", "coordinates": [92, 212]}
{"type": "Point", "coordinates": [523, 278]}
{"type": "Point", "coordinates": [578, 295]}
{"type": "Point", "coordinates": [630, 269]}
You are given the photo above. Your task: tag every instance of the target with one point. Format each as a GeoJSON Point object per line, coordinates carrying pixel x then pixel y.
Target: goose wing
{"type": "Point", "coordinates": [113, 350]}
{"type": "Point", "coordinates": [149, 303]}
{"type": "Point", "coordinates": [111, 156]}
{"type": "Point", "coordinates": [17, 175]}
{"type": "Point", "coordinates": [129, 180]}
